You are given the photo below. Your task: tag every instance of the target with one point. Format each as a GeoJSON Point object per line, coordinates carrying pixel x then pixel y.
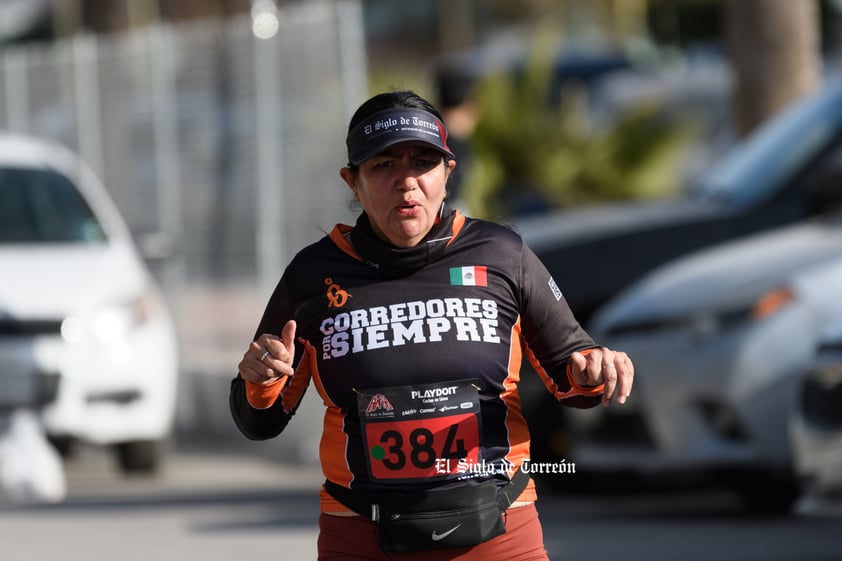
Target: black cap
{"type": "Point", "coordinates": [394, 126]}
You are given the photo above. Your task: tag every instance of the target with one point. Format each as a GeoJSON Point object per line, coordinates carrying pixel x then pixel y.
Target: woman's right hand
{"type": "Point", "coordinates": [270, 357]}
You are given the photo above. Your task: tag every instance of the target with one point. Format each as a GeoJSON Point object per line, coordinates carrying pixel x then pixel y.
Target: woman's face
{"type": "Point", "coordinates": [401, 189]}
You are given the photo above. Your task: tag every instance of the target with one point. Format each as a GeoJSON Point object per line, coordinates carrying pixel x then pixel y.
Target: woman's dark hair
{"type": "Point", "coordinates": [389, 100]}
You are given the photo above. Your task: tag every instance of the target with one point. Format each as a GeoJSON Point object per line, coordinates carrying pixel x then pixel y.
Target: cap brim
{"type": "Point", "coordinates": [383, 146]}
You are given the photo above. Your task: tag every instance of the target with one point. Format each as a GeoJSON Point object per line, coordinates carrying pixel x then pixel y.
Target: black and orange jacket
{"type": "Point", "coordinates": [466, 304]}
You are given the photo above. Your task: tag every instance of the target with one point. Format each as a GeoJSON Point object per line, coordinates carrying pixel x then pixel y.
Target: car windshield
{"type": "Point", "coordinates": [42, 206]}
{"type": "Point", "coordinates": [768, 159]}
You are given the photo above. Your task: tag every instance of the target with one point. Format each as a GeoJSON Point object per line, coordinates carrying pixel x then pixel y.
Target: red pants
{"type": "Point", "coordinates": [354, 538]}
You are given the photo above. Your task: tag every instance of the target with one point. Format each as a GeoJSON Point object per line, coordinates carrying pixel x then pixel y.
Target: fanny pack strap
{"type": "Point", "coordinates": [509, 493]}
{"type": "Point", "coordinates": [361, 503]}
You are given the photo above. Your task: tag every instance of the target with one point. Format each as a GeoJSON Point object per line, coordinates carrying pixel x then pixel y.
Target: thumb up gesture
{"type": "Point", "coordinates": [269, 357]}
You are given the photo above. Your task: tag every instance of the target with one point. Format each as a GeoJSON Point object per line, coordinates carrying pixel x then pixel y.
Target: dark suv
{"type": "Point", "coordinates": [789, 169]}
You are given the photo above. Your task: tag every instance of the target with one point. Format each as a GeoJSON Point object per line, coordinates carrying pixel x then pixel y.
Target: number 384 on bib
{"type": "Point", "coordinates": [422, 448]}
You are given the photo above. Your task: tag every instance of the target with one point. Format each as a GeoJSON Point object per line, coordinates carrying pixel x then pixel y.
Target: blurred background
{"type": "Point", "coordinates": [655, 144]}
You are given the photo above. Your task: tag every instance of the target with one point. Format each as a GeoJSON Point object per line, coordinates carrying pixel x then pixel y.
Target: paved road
{"type": "Point", "coordinates": [232, 505]}
{"type": "Point", "coordinates": [205, 505]}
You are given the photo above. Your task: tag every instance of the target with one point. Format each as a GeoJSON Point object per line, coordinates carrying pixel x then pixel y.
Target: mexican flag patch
{"type": "Point", "coordinates": [468, 276]}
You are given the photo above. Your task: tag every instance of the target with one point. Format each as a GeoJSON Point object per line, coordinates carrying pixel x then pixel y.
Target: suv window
{"type": "Point", "coordinates": [42, 206]}
{"type": "Point", "coordinates": [771, 158]}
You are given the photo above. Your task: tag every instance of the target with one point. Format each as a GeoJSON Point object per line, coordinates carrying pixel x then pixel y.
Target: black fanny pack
{"type": "Point", "coordinates": [413, 521]}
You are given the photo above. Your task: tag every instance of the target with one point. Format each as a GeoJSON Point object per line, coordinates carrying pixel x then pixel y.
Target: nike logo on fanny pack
{"type": "Point", "coordinates": [437, 537]}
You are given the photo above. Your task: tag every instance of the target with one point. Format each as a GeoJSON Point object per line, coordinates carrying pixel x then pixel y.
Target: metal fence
{"type": "Point", "coordinates": [203, 131]}
{"type": "Point", "coordinates": [221, 149]}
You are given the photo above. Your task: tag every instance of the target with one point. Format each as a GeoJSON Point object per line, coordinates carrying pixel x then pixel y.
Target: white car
{"type": "Point", "coordinates": [85, 337]}
{"type": "Point", "coordinates": [720, 340]}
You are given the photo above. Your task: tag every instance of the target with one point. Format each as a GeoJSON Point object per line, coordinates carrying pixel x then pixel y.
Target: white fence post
{"type": "Point", "coordinates": [15, 65]}
{"type": "Point", "coordinates": [160, 46]}
{"type": "Point", "coordinates": [85, 58]}
{"type": "Point", "coordinates": [270, 241]}
{"type": "Point", "coordinates": [351, 54]}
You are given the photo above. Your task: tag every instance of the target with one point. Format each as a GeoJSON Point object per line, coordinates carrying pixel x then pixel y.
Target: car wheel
{"type": "Point", "coordinates": [139, 457]}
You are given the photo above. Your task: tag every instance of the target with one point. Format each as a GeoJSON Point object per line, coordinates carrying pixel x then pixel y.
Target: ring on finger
{"type": "Point", "coordinates": [608, 365]}
{"type": "Point", "coordinates": [264, 355]}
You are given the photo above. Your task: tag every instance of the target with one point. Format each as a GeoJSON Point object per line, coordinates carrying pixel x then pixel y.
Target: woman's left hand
{"type": "Point", "coordinates": [604, 366]}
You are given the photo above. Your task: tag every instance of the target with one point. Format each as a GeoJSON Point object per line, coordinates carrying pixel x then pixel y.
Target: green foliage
{"type": "Point", "coordinates": [526, 151]}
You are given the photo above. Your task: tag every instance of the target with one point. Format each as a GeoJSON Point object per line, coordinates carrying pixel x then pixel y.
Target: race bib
{"type": "Point", "coordinates": [421, 432]}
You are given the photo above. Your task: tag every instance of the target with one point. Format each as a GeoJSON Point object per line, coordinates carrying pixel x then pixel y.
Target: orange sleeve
{"type": "Point", "coordinates": [583, 390]}
{"type": "Point", "coordinates": [262, 396]}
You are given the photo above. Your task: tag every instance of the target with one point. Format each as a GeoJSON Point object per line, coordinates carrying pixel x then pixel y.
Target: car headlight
{"type": "Point", "coordinates": [772, 301]}
{"type": "Point", "coordinates": [706, 323]}
{"type": "Point", "coordinates": [109, 323]}
{"type": "Point", "coordinates": [766, 306]}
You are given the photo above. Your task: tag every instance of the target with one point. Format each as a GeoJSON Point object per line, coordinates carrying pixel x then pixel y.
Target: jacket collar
{"type": "Point", "coordinates": [394, 262]}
